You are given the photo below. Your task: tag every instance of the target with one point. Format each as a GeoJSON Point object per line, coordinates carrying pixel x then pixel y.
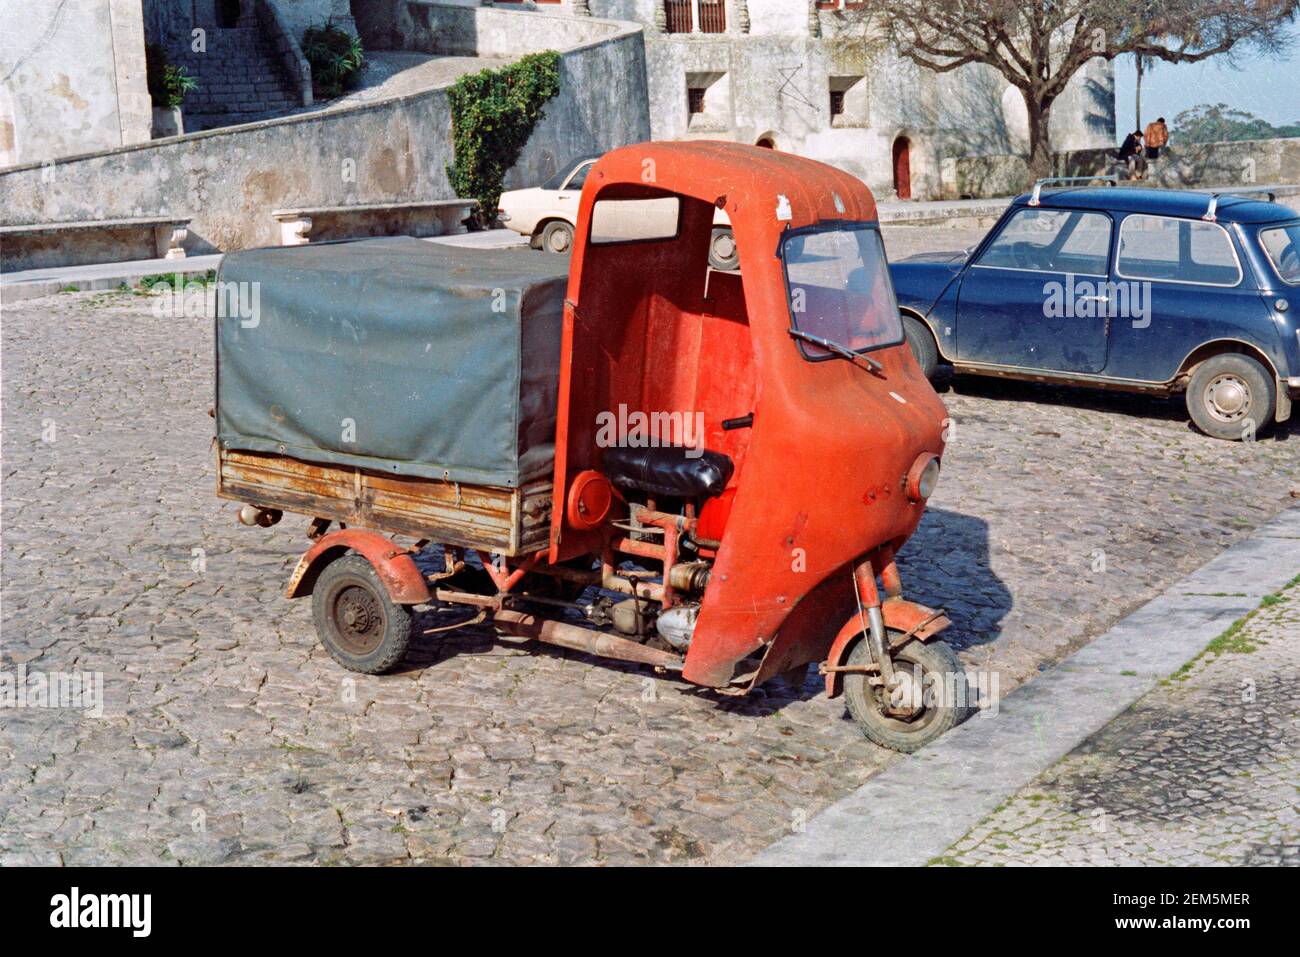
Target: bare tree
{"type": "Point", "coordinates": [1039, 45]}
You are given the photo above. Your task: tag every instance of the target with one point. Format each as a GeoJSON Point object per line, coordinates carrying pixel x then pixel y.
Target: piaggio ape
{"type": "Point", "coordinates": [639, 458]}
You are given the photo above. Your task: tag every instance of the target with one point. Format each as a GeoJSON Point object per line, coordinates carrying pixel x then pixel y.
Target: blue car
{"type": "Point", "coordinates": [1146, 290]}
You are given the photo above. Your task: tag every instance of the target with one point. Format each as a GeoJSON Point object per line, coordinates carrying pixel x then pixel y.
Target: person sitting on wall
{"type": "Point", "coordinates": [1130, 154]}
{"type": "Point", "coordinates": [1156, 136]}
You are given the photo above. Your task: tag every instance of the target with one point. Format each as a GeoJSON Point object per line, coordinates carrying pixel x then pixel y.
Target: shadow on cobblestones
{"type": "Point", "coordinates": [1171, 409]}
{"type": "Point", "coordinates": [947, 564]}
{"type": "Point", "coordinates": [1171, 757]}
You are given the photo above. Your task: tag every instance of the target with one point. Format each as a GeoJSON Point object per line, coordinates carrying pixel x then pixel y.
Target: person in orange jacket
{"type": "Point", "coordinates": [1157, 136]}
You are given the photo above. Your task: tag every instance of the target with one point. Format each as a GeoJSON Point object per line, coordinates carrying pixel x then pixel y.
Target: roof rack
{"type": "Point", "coordinates": [1035, 199]}
{"type": "Point", "coordinates": [1211, 214]}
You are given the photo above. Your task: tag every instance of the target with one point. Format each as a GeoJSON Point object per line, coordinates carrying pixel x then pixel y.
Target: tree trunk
{"type": "Point", "coordinates": [1040, 141]}
{"type": "Point", "coordinates": [1137, 99]}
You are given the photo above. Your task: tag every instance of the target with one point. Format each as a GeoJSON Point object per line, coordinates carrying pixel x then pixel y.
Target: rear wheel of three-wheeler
{"type": "Point", "coordinates": [931, 695]}
{"type": "Point", "coordinates": [361, 627]}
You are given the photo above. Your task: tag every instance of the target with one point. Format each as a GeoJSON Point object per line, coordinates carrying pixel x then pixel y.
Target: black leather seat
{"type": "Point", "coordinates": [669, 471]}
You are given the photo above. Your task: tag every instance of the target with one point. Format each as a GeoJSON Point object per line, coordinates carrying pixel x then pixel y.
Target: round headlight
{"type": "Point", "coordinates": [923, 477]}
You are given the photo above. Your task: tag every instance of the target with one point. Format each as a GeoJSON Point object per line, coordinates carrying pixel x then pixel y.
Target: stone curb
{"type": "Point", "coordinates": [47, 282]}
{"type": "Point", "coordinates": [921, 805]}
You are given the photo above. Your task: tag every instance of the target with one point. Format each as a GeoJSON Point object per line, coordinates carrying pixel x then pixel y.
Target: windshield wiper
{"type": "Point", "coordinates": [844, 352]}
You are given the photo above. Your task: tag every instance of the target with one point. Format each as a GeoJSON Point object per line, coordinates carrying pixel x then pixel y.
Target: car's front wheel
{"type": "Point", "coordinates": [1231, 397]}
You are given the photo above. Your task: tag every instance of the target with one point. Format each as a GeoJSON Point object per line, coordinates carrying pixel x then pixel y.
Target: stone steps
{"type": "Point", "coordinates": [240, 79]}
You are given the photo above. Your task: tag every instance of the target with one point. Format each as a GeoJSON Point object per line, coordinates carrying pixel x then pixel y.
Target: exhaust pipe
{"type": "Point", "coordinates": [599, 643]}
{"type": "Point", "coordinates": [264, 517]}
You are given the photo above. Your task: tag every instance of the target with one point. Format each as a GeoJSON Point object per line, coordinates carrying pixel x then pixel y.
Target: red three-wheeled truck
{"type": "Point", "coordinates": [640, 457]}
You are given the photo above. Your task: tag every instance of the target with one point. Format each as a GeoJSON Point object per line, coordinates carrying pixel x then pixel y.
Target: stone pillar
{"type": "Point", "coordinates": [814, 20]}
{"type": "Point", "coordinates": [661, 17]}
{"type": "Point", "coordinates": [134, 106]}
{"type": "Point", "coordinates": [742, 15]}
{"type": "Point", "coordinates": [581, 8]}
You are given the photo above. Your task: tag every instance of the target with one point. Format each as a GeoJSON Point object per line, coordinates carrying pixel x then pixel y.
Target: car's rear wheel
{"type": "Point", "coordinates": [557, 237]}
{"type": "Point", "coordinates": [922, 344]}
{"type": "Point", "coordinates": [1230, 397]}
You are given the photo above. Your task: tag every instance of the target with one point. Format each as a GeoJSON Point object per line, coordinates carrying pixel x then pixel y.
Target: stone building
{"type": "Point", "coordinates": [799, 76]}
{"type": "Point", "coordinates": [72, 78]}
{"type": "Point", "coordinates": [73, 72]}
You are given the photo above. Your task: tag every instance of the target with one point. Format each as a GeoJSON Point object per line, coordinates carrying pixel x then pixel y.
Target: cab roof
{"type": "Point", "coordinates": [751, 183]}
{"type": "Point", "coordinates": [1190, 204]}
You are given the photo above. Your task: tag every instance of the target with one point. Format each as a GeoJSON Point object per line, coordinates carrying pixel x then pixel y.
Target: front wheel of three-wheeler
{"type": "Point", "coordinates": [930, 680]}
{"type": "Point", "coordinates": [361, 627]}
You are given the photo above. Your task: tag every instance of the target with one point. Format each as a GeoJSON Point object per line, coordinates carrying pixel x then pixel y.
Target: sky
{"type": "Point", "coordinates": [1267, 87]}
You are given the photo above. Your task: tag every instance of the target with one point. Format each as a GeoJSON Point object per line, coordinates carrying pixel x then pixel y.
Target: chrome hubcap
{"type": "Point", "coordinates": [1227, 398]}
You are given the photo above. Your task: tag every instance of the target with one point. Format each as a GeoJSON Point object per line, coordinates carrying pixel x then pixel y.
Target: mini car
{"type": "Point", "coordinates": [546, 214]}
{"type": "Point", "coordinates": [1146, 290]}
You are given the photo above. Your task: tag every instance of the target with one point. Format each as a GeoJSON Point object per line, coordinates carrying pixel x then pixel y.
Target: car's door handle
{"type": "Point", "coordinates": [1094, 298]}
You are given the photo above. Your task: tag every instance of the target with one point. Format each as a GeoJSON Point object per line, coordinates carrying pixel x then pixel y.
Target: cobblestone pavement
{"type": "Point", "coordinates": [1205, 769]}
{"type": "Point", "coordinates": [230, 736]}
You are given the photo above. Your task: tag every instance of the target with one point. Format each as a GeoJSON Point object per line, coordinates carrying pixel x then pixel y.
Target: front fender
{"type": "Point", "coordinates": [394, 565]}
{"type": "Point", "coordinates": [910, 619]}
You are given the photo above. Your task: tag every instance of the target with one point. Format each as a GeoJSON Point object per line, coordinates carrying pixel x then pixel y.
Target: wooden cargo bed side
{"type": "Point", "coordinates": [504, 520]}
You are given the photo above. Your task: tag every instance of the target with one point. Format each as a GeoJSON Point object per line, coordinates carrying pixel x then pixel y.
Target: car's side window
{"type": "Point", "coordinates": [1051, 240]}
{"type": "Point", "coordinates": [580, 177]}
{"type": "Point", "coordinates": [1167, 249]}
{"type": "Point", "coordinates": [1282, 243]}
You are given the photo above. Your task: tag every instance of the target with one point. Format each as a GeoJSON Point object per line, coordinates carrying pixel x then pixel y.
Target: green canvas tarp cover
{"type": "Point", "coordinates": [395, 354]}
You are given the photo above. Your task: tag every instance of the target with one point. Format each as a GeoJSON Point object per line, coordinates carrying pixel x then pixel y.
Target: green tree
{"type": "Point", "coordinates": [1217, 123]}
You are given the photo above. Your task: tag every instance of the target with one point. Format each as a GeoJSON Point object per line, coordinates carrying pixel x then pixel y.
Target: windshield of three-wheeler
{"type": "Point", "coordinates": [1282, 243]}
{"type": "Point", "coordinates": [838, 284]}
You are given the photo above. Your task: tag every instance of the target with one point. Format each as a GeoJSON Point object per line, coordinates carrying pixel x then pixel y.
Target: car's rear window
{"type": "Point", "coordinates": [1168, 249]}
{"type": "Point", "coordinates": [1282, 243]}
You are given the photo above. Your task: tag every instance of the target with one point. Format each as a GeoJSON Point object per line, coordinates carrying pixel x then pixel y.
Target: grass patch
{"type": "Point", "coordinates": [171, 279]}
{"type": "Point", "coordinates": [1232, 641]}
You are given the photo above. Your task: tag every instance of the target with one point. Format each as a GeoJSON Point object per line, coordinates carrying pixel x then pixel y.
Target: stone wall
{"type": "Point", "coordinates": [1189, 166]}
{"type": "Point", "coordinates": [229, 180]}
{"type": "Point", "coordinates": [603, 87]}
{"type": "Point", "coordinates": [72, 78]}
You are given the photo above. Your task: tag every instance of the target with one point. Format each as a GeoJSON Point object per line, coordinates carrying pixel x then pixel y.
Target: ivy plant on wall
{"type": "Point", "coordinates": [492, 115]}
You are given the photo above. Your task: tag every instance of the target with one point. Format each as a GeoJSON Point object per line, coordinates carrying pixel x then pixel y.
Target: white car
{"type": "Point", "coordinates": [546, 214]}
